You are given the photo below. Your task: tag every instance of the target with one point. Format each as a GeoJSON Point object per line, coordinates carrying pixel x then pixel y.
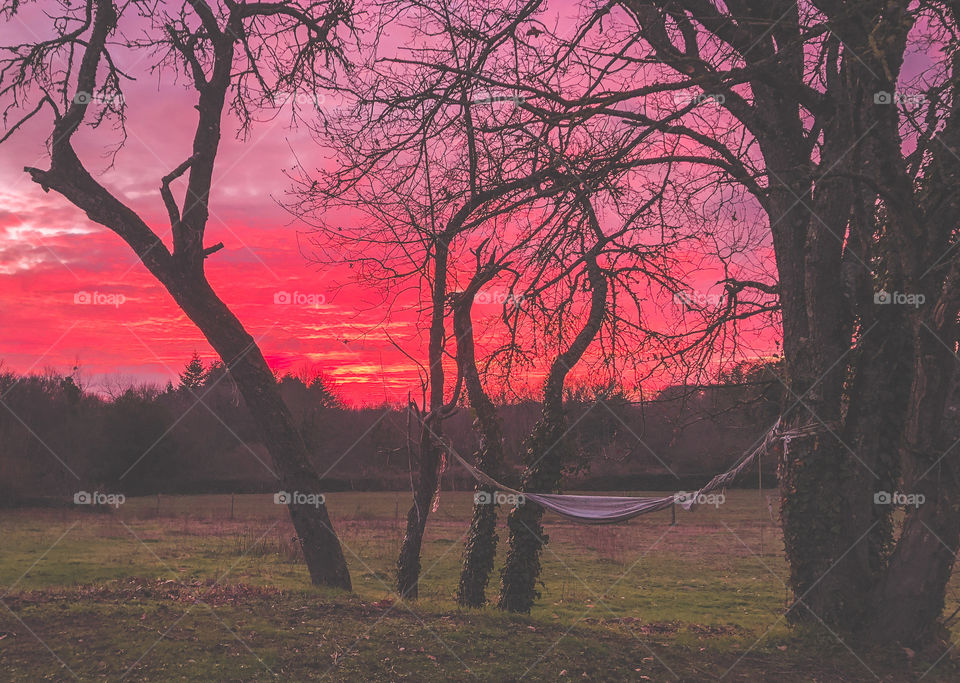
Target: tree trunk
{"type": "Point", "coordinates": [480, 549]}
{"type": "Point", "coordinates": [430, 451]}
{"type": "Point", "coordinates": [545, 456]}
{"type": "Point", "coordinates": [910, 597]}
{"type": "Point", "coordinates": [275, 425]}
{"type": "Point", "coordinates": [545, 451]}
{"type": "Point", "coordinates": [185, 280]}
{"type": "Point", "coordinates": [408, 563]}
{"type": "Point", "coordinates": [481, 545]}
{"type": "Point", "coordinates": [877, 397]}
{"type": "Point", "coordinates": [814, 470]}
{"type": "Point", "coordinates": [877, 394]}
{"type": "Point", "coordinates": [845, 388]}
{"type": "Point", "coordinates": [838, 540]}
{"type": "Point", "coordinates": [182, 272]}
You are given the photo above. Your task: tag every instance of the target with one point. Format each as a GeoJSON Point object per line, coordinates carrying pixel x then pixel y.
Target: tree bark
{"type": "Point", "coordinates": [545, 457]}
{"type": "Point", "coordinates": [921, 235]}
{"type": "Point", "coordinates": [909, 598]}
{"type": "Point", "coordinates": [815, 470]}
{"type": "Point", "coordinates": [428, 470]}
{"type": "Point", "coordinates": [275, 425]}
{"type": "Point", "coordinates": [481, 545]}
{"type": "Point", "coordinates": [430, 450]}
{"type": "Point", "coordinates": [544, 453]}
{"type": "Point", "coordinates": [182, 274]}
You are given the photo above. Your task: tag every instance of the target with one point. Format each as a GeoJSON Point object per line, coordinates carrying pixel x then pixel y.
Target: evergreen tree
{"type": "Point", "coordinates": [324, 391]}
{"type": "Point", "coordinates": [193, 374]}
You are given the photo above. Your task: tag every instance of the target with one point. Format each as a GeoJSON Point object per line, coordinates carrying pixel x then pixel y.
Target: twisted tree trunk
{"type": "Point", "coordinates": [545, 458]}
{"type": "Point", "coordinates": [481, 545]}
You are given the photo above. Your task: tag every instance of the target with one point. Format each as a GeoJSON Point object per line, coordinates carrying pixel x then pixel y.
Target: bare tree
{"type": "Point", "coordinates": [819, 89]}
{"type": "Point", "coordinates": [805, 108]}
{"type": "Point", "coordinates": [239, 55]}
{"type": "Point", "coordinates": [424, 200]}
{"type": "Point", "coordinates": [480, 549]}
{"type": "Point", "coordinates": [462, 133]}
{"type": "Point", "coordinates": [545, 449]}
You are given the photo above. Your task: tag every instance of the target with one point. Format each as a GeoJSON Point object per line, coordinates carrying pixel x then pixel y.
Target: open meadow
{"type": "Point", "coordinates": [212, 587]}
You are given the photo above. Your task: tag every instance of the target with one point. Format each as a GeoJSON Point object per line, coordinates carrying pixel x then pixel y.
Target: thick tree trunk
{"type": "Point", "coordinates": [545, 451]}
{"type": "Point", "coordinates": [832, 481]}
{"type": "Point", "coordinates": [815, 470]}
{"type": "Point", "coordinates": [910, 597]}
{"type": "Point", "coordinates": [876, 393]}
{"type": "Point", "coordinates": [238, 350]}
{"type": "Point", "coordinates": [873, 428]}
{"type": "Point", "coordinates": [545, 457]}
{"type": "Point", "coordinates": [481, 545]}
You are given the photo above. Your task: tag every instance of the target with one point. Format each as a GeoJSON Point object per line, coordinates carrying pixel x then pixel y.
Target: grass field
{"type": "Point", "coordinates": [209, 588]}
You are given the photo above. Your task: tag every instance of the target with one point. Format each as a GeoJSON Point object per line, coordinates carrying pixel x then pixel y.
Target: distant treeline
{"type": "Point", "coordinates": [57, 438]}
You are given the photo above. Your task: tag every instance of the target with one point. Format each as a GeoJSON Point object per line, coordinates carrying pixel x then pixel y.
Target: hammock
{"type": "Point", "coordinates": [613, 509]}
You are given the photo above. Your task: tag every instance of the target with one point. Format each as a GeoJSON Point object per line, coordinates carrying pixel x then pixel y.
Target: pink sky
{"type": "Point", "coordinates": [50, 255]}
{"type": "Point", "coordinates": [50, 252]}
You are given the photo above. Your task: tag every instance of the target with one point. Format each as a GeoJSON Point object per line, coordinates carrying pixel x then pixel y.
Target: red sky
{"type": "Point", "coordinates": [50, 252]}
{"type": "Point", "coordinates": [51, 255]}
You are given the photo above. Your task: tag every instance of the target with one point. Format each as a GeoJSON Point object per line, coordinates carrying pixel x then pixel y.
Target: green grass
{"type": "Point", "coordinates": [192, 593]}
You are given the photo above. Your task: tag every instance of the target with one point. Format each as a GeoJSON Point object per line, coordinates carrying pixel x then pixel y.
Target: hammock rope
{"type": "Point", "coordinates": [613, 509]}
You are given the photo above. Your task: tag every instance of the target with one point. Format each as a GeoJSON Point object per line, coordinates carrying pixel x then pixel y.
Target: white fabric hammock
{"type": "Point", "coordinates": [612, 509]}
